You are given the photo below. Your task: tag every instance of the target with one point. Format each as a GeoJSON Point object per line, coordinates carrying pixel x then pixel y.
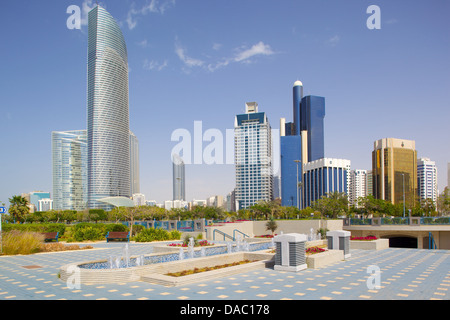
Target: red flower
{"type": "Point", "coordinates": [368, 238]}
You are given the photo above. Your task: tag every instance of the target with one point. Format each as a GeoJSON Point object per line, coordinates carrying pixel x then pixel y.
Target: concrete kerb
{"type": "Point", "coordinates": [156, 271]}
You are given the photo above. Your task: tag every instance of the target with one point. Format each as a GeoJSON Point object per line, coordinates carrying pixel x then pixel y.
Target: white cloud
{"type": "Point", "coordinates": [188, 61]}
{"type": "Point", "coordinates": [333, 41]}
{"type": "Point", "coordinates": [217, 46]}
{"type": "Point", "coordinates": [87, 6]}
{"type": "Point", "coordinates": [143, 43]}
{"type": "Point", "coordinates": [154, 6]}
{"type": "Point", "coordinates": [154, 65]}
{"type": "Point", "coordinates": [243, 56]}
{"type": "Point", "coordinates": [258, 49]}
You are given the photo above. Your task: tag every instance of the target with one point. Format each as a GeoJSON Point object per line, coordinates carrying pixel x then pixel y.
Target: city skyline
{"type": "Point", "coordinates": [371, 90]}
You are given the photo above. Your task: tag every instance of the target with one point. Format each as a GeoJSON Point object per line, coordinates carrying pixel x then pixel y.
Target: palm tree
{"type": "Point", "coordinates": [271, 225]}
{"type": "Point", "coordinates": [18, 207]}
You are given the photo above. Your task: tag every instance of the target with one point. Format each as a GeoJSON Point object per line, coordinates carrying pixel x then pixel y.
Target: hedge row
{"type": "Point", "coordinates": [86, 231]}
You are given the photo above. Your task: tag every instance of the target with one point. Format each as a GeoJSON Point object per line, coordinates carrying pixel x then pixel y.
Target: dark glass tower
{"type": "Point", "coordinates": [312, 115]}
{"type": "Point", "coordinates": [301, 141]}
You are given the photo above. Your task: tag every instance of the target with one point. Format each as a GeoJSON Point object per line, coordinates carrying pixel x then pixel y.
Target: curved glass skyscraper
{"type": "Point", "coordinates": [107, 110]}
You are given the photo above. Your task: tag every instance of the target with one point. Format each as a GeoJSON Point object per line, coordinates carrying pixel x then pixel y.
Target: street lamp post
{"type": "Point", "coordinates": [297, 186]}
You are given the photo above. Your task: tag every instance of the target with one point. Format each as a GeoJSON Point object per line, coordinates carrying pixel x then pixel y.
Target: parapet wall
{"type": "Point", "coordinates": [258, 228]}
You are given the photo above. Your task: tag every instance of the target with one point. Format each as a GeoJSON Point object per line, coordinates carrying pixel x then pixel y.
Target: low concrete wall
{"type": "Point", "coordinates": [379, 244]}
{"type": "Point", "coordinates": [320, 260]}
{"type": "Point", "coordinates": [154, 273]}
{"type": "Point", "coordinates": [258, 228]}
{"type": "Point", "coordinates": [158, 276]}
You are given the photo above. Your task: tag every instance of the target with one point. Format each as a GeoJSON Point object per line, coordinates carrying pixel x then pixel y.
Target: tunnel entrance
{"type": "Point", "coordinates": [403, 242]}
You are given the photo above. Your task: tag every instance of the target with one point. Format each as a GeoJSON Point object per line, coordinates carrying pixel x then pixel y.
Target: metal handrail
{"type": "Point", "coordinates": [431, 242]}
{"type": "Point", "coordinates": [222, 233]}
{"type": "Point", "coordinates": [234, 234]}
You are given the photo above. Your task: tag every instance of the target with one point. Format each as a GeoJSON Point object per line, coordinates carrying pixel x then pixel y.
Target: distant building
{"type": "Point", "coordinates": [394, 168]}
{"type": "Point", "coordinates": [369, 183]}
{"type": "Point", "coordinates": [231, 202]}
{"type": "Point", "coordinates": [253, 157]}
{"type": "Point", "coordinates": [215, 201]}
{"type": "Point", "coordinates": [45, 205]}
{"type": "Point", "coordinates": [324, 176]}
{"type": "Point", "coordinates": [179, 178]}
{"type": "Point", "coordinates": [139, 199]}
{"type": "Point", "coordinates": [151, 203]}
{"type": "Point", "coordinates": [134, 164]}
{"type": "Point", "coordinates": [197, 203]}
{"type": "Point", "coordinates": [427, 179]}
{"type": "Point", "coordinates": [358, 186]}
{"type": "Point", "coordinates": [69, 166]}
{"type": "Point", "coordinates": [448, 174]}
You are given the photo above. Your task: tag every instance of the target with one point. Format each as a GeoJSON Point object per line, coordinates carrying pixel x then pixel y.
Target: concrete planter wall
{"type": "Point", "coordinates": [320, 260]}
{"type": "Point", "coordinates": [369, 245]}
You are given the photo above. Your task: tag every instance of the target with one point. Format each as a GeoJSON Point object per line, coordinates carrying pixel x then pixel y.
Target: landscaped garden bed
{"type": "Point", "coordinates": [26, 242]}
{"type": "Point", "coordinates": [320, 257]}
{"type": "Point", "coordinates": [368, 238]}
{"type": "Point", "coordinates": [368, 243]}
{"type": "Point", "coordinates": [205, 269]}
{"type": "Point", "coordinates": [315, 250]}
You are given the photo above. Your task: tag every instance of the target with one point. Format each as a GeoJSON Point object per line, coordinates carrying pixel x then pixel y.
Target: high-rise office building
{"type": "Point", "coordinates": [325, 176]}
{"type": "Point", "coordinates": [134, 164]}
{"type": "Point", "coordinates": [448, 175]}
{"type": "Point", "coordinates": [301, 141]}
{"type": "Point", "coordinates": [69, 162]}
{"type": "Point", "coordinates": [357, 186]}
{"type": "Point", "coordinates": [369, 183]}
{"type": "Point", "coordinates": [179, 178]}
{"type": "Point", "coordinates": [253, 157]}
{"type": "Point", "coordinates": [394, 169]}
{"type": "Point", "coordinates": [107, 110]}
{"type": "Point", "coordinates": [427, 179]}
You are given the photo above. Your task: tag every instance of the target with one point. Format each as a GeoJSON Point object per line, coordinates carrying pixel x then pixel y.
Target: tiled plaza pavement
{"type": "Point", "coordinates": [405, 274]}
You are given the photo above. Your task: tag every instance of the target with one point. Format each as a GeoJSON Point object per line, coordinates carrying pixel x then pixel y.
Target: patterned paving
{"type": "Point", "coordinates": [403, 274]}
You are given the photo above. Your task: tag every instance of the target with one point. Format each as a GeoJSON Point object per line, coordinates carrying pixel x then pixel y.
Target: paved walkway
{"type": "Point", "coordinates": [404, 274]}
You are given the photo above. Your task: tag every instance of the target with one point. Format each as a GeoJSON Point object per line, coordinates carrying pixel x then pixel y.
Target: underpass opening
{"type": "Point", "coordinates": [402, 242]}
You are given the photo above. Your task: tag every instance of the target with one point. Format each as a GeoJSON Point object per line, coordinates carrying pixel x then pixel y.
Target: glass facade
{"type": "Point", "coordinates": [427, 179]}
{"type": "Point", "coordinates": [311, 120]}
{"type": "Point", "coordinates": [107, 110]}
{"type": "Point", "coordinates": [324, 176]}
{"type": "Point", "coordinates": [69, 158]}
{"type": "Point", "coordinates": [253, 159]}
{"type": "Point", "coordinates": [394, 166]}
{"type": "Point", "coordinates": [134, 165]}
{"type": "Point", "coordinates": [290, 150]}
{"type": "Point", "coordinates": [179, 179]}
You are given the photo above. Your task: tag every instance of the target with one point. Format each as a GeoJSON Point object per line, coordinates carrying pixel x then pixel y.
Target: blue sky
{"type": "Point", "coordinates": [202, 60]}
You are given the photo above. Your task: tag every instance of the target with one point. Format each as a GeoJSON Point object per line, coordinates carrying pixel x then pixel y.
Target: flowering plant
{"type": "Point", "coordinates": [368, 238]}
{"type": "Point", "coordinates": [266, 236]}
{"type": "Point", "coordinates": [313, 250]}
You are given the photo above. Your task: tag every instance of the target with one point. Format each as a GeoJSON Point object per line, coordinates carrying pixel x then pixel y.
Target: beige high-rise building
{"type": "Point", "coordinates": [394, 169]}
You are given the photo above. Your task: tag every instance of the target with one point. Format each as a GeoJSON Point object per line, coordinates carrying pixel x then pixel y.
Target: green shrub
{"type": "Point", "coordinates": [152, 234]}
{"type": "Point", "coordinates": [175, 235]}
{"type": "Point", "coordinates": [88, 233]}
{"type": "Point", "coordinates": [36, 227]}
